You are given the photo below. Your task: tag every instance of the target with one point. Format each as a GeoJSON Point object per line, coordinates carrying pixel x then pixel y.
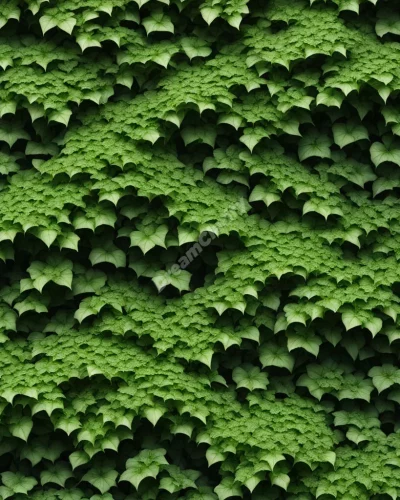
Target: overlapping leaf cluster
{"type": "Point", "coordinates": [199, 249]}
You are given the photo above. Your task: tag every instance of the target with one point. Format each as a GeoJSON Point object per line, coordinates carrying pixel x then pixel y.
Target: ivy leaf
{"type": "Point", "coordinates": [209, 14]}
{"type": "Point", "coordinates": [388, 151]}
{"type": "Point", "coordinates": [228, 487]}
{"type": "Point", "coordinates": [280, 479]}
{"type": "Point", "coordinates": [158, 21]}
{"type": "Point", "coordinates": [48, 236]}
{"type": "Point", "coordinates": [306, 340]}
{"type": "Point", "coordinates": [55, 269]}
{"type": "Point", "coordinates": [60, 116]}
{"type": "Point", "coordinates": [195, 47]}
{"type": "Point", "coordinates": [214, 456]}
{"type": "Point", "coordinates": [272, 354]}
{"type": "Point", "coordinates": [105, 496]}
{"type": "Point", "coordinates": [330, 97]}
{"type": "Point", "coordinates": [108, 252]}
{"type": "Point", "coordinates": [57, 473]}
{"type": "Point", "coordinates": [103, 478]}
{"type": "Point", "coordinates": [314, 144]}
{"type": "Point", "coordinates": [8, 318]}
{"type": "Point", "coordinates": [266, 194]}
{"type": "Point", "coordinates": [38, 448]}
{"type": "Point", "coordinates": [18, 483]}
{"type": "Point", "coordinates": [78, 458]}
{"type": "Point", "coordinates": [146, 464]}
{"type": "Point", "coordinates": [179, 479]}
{"type": "Point", "coordinates": [154, 414]}
{"type": "Point", "coordinates": [355, 387]}
{"type": "Point", "coordinates": [351, 5]}
{"type": "Point", "coordinates": [250, 377]}
{"type": "Point", "coordinates": [205, 134]}
{"type": "Point", "coordinates": [356, 435]}
{"type": "Point", "coordinates": [347, 133]}
{"type": "Point", "coordinates": [179, 279]}
{"type": "Point", "coordinates": [384, 376]}
{"type": "Point", "coordinates": [48, 22]}
{"type": "Point", "coordinates": [33, 302]}
{"type": "Point", "coordinates": [90, 281]}
{"type": "Point", "coordinates": [352, 318]}
{"type": "Point", "coordinates": [69, 240]}
{"type": "Point", "coordinates": [12, 132]}
{"type": "Point", "coordinates": [67, 424]}
{"type": "Point", "coordinates": [38, 148]}
{"type": "Point", "coordinates": [22, 428]}
{"type": "Point", "coordinates": [88, 307]}
{"type": "Point", "coordinates": [389, 23]}
{"type": "Point", "coordinates": [148, 237]}
{"type": "Point", "coordinates": [203, 493]}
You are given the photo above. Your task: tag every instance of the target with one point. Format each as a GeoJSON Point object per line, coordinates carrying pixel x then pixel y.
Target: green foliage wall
{"type": "Point", "coordinates": [199, 249]}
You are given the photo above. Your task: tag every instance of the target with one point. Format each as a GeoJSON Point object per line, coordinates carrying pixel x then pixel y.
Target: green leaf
{"type": "Point", "coordinates": [356, 435]}
{"type": "Point", "coordinates": [281, 480]}
{"type": "Point", "coordinates": [384, 376]}
{"type": "Point", "coordinates": [205, 134]}
{"type": "Point", "coordinates": [103, 478]}
{"type": "Point", "coordinates": [12, 132]}
{"type": "Point", "coordinates": [350, 319]}
{"type": "Point", "coordinates": [228, 488]}
{"type": "Point", "coordinates": [108, 253]}
{"type": "Point", "coordinates": [67, 25]}
{"type": "Point", "coordinates": [22, 428]}
{"type": "Point", "coordinates": [8, 318]}
{"type": "Point", "coordinates": [18, 483]}
{"type": "Point", "coordinates": [214, 456]}
{"type": "Point", "coordinates": [306, 340]}
{"type": "Point", "coordinates": [58, 474]}
{"type": "Point", "coordinates": [330, 97]}
{"type": "Point", "coordinates": [390, 23]}
{"type": "Point", "coordinates": [154, 414]}
{"type": "Point", "coordinates": [47, 23]}
{"type": "Point", "coordinates": [266, 194]}
{"type": "Point", "coordinates": [146, 464]}
{"type": "Point", "coordinates": [272, 354]}
{"type": "Point", "coordinates": [209, 14]}
{"type": "Point", "coordinates": [178, 278]}
{"type": "Point", "coordinates": [158, 21]}
{"type": "Point", "coordinates": [48, 236]}
{"type": "Point", "coordinates": [56, 269]}
{"type": "Point", "coordinates": [61, 116]}
{"type": "Point", "coordinates": [347, 133]}
{"type": "Point", "coordinates": [314, 144]}
{"type": "Point", "coordinates": [178, 479]}
{"type": "Point", "coordinates": [195, 47]}
{"type": "Point", "coordinates": [90, 281]}
{"type": "Point", "coordinates": [148, 237]}
{"type": "Point", "coordinates": [388, 151]}
{"type": "Point", "coordinates": [351, 5]}
{"type": "Point", "coordinates": [33, 302]}
{"type": "Point", "coordinates": [250, 377]}
{"type": "Point", "coordinates": [78, 458]}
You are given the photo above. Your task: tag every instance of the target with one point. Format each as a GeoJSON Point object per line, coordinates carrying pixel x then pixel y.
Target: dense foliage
{"type": "Point", "coordinates": [200, 249]}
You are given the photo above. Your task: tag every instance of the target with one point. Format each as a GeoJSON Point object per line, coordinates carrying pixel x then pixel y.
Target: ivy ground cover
{"type": "Point", "coordinates": [199, 249]}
